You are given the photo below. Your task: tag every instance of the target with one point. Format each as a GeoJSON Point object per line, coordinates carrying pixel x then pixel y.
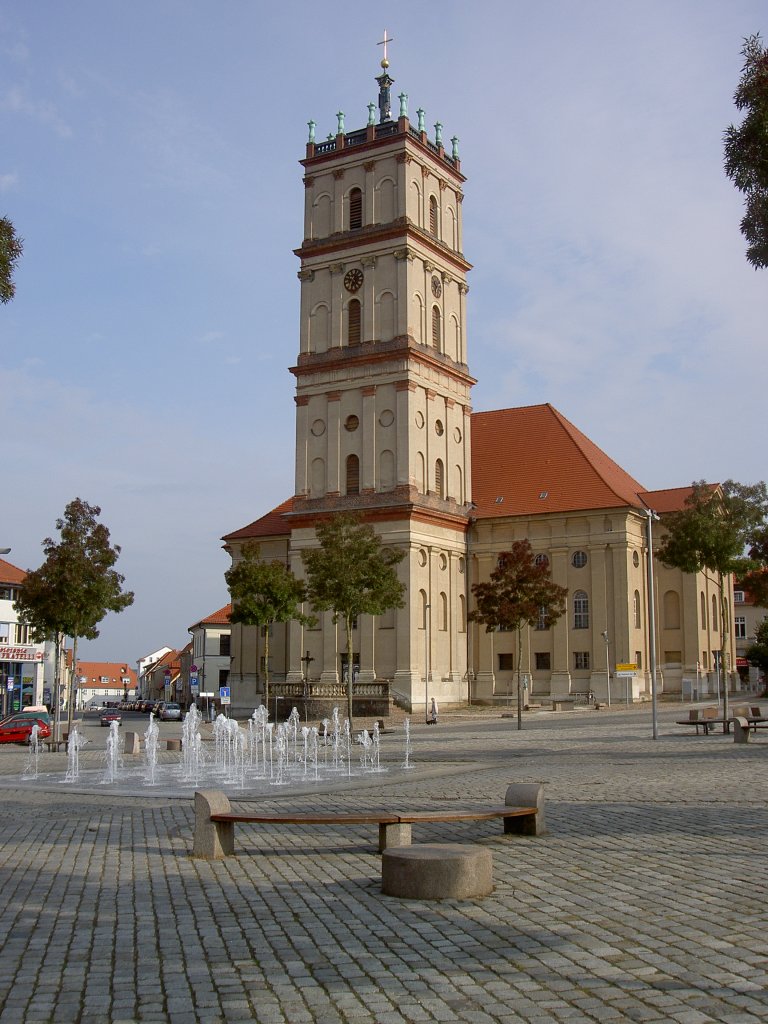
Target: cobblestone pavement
{"type": "Point", "coordinates": [646, 900]}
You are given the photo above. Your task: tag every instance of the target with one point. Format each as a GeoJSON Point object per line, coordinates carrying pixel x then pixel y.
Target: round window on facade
{"type": "Point", "coordinates": [461, 564]}
{"type": "Point", "coordinates": [387, 418]}
{"type": "Point", "coordinates": [635, 559]}
{"type": "Point", "coordinates": [351, 423]}
{"type": "Point", "coordinates": [422, 556]}
{"type": "Point", "coordinates": [318, 428]}
{"type": "Point", "coordinates": [443, 561]}
{"type": "Point", "coordinates": [579, 559]}
{"type": "Point", "coordinates": [541, 559]}
{"type": "Point", "coordinates": [439, 428]}
{"type": "Point", "coordinates": [419, 419]}
{"type": "Point", "coordinates": [457, 435]}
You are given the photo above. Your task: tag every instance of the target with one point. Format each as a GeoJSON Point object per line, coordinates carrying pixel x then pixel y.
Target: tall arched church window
{"type": "Point", "coordinates": [353, 474]}
{"type": "Point", "coordinates": [671, 610]}
{"type": "Point", "coordinates": [433, 225]}
{"type": "Point", "coordinates": [703, 611]}
{"type": "Point", "coordinates": [423, 609]}
{"type": "Point", "coordinates": [636, 608]}
{"type": "Point", "coordinates": [443, 611]}
{"type": "Point", "coordinates": [436, 327]}
{"type": "Point", "coordinates": [439, 479]}
{"type": "Point", "coordinates": [715, 616]}
{"type": "Point", "coordinates": [462, 614]}
{"type": "Point", "coordinates": [354, 321]}
{"type": "Point", "coordinates": [355, 209]}
{"type": "Point", "coordinates": [580, 610]}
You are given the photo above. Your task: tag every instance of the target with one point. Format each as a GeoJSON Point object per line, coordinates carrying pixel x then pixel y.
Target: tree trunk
{"type": "Point", "coordinates": [57, 688]}
{"type": "Point", "coordinates": [72, 688]}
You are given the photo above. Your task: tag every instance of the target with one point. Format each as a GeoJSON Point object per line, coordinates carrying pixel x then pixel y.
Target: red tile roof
{"type": "Point", "coordinates": [113, 670]}
{"type": "Point", "coordinates": [270, 525]}
{"type": "Point", "coordinates": [219, 618]}
{"type": "Point", "coordinates": [10, 573]}
{"type": "Point", "coordinates": [536, 461]}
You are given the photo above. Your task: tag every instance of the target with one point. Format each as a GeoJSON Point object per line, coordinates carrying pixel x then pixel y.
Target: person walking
{"type": "Point", "coordinates": [432, 716]}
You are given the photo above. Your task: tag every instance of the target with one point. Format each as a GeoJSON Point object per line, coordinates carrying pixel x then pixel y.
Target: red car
{"type": "Point", "coordinates": [110, 715]}
{"type": "Point", "coordinates": [18, 728]}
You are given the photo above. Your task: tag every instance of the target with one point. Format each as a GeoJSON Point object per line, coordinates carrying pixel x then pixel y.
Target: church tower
{"type": "Point", "coordinates": [383, 387]}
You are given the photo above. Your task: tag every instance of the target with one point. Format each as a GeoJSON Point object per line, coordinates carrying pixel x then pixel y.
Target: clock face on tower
{"type": "Point", "coordinates": [437, 288]}
{"type": "Point", "coordinates": [353, 280]}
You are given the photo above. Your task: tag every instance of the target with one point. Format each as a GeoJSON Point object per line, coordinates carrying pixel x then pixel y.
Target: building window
{"type": "Point", "coordinates": [541, 559]}
{"type": "Point", "coordinates": [353, 474]}
{"type": "Point", "coordinates": [224, 645]}
{"type": "Point", "coordinates": [671, 610]}
{"type": "Point", "coordinates": [705, 661]}
{"type": "Point", "coordinates": [639, 659]}
{"type": "Point", "coordinates": [740, 624]}
{"type": "Point", "coordinates": [443, 611]}
{"type": "Point", "coordinates": [462, 614]}
{"type": "Point", "coordinates": [439, 479]}
{"type": "Point", "coordinates": [636, 608]}
{"type": "Point", "coordinates": [21, 633]}
{"type": "Point", "coordinates": [635, 559]}
{"type": "Point", "coordinates": [354, 320]}
{"type": "Point", "coordinates": [580, 660]}
{"type": "Point", "coordinates": [579, 559]}
{"type": "Point", "coordinates": [714, 614]}
{"type": "Point", "coordinates": [542, 622]}
{"type": "Point", "coordinates": [433, 225]}
{"type": "Point", "coordinates": [223, 676]}
{"type": "Point", "coordinates": [506, 663]}
{"type": "Point", "coordinates": [543, 661]}
{"type": "Point", "coordinates": [703, 611]}
{"type": "Point", "coordinates": [355, 209]}
{"type": "Point", "coordinates": [738, 597]}
{"type": "Point", "coordinates": [436, 327]}
{"type": "Point", "coordinates": [580, 610]}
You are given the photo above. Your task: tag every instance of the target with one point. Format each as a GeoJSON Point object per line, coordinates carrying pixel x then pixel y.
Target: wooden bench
{"type": "Point", "coordinates": [522, 814]}
{"type": "Point", "coordinates": [706, 721]}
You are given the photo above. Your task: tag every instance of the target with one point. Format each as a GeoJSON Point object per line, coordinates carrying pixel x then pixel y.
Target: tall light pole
{"type": "Point", "coordinates": [426, 662]}
{"type": "Point", "coordinates": [651, 515]}
{"type": "Point", "coordinates": [607, 665]}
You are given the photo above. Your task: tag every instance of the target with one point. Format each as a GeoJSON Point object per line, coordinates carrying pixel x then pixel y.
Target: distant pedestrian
{"type": "Point", "coordinates": [432, 716]}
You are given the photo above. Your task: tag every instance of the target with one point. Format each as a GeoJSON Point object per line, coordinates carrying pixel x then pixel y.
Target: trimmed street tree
{"type": "Point", "coordinates": [746, 149]}
{"type": "Point", "coordinates": [711, 534]}
{"type": "Point", "coordinates": [263, 593]}
{"type": "Point", "coordinates": [757, 652]}
{"type": "Point", "coordinates": [75, 586]}
{"type": "Point", "coordinates": [352, 574]}
{"type": "Point", "coordinates": [10, 250]}
{"type": "Point", "coordinates": [519, 593]}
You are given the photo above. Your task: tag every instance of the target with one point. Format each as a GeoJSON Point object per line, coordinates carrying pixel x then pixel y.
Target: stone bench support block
{"type": "Point", "coordinates": [213, 840]}
{"type": "Point", "coordinates": [437, 871]}
{"type": "Point", "coordinates": [740, 730]}
{"type": "Point", "coordinates": [131, 743]}
{"type": "Point", "coordinates": [173, 744]}
{"type": "Point", "coordinates": [394, 835]}
{"type": "Point", "coordinates": [526, 794]}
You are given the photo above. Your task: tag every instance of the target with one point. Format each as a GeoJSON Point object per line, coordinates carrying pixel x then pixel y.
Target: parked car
{"type": "Point", "coordinates": [148, 707]}
{"type": "Point", "coordinates": [110, 715]}
{"type": "Point", "coordinates": [18, 728]}
{"type": "Point", "coordinates": [170, 712]}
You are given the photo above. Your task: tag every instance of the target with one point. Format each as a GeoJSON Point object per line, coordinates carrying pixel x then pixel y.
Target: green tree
{"type": "Point", "coordinates": [757, 652]}
{"type": "Point", "coordinates": [711, 533]}
{"type": "Point", "coordinates": [75, 587]}
{"type": "Point", "coordinates": [519, 593]}
{"type": "Point", "coordinates": [746, 149]}
{"type": "Point", "coordinates": [351, 574]}
{"type": "Point", "coordinates": [11, 247]}
{"type": "Point", "coordinates": [754, 575]}
{"type": "Point", "coordinates": [264, 592]}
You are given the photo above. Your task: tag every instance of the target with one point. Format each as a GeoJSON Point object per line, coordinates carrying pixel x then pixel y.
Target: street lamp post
{"type": "Point", "coordinates": [651, 515]}
{"type": "Point", "coordinates": [426, 663]}
{"type": "Point", "coordinates": [607, 664]}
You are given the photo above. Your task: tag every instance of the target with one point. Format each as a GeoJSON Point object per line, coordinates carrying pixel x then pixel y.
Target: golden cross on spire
{"type": "Point", "coordinates": [383, 42]}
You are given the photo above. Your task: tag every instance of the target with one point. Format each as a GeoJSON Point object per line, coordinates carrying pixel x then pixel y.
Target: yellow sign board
{"type": "Point", "coordinates": [629, 667]}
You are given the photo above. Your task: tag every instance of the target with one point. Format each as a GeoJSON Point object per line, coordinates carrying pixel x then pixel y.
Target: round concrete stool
{"type": "Point", "coordinates": [437, 871]}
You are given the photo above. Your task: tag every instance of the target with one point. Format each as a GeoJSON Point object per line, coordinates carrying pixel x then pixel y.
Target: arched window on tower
{"type": "Point", "coordinates": [436, 327]}
{"type": "Point", "coordinates": [354, 320]}
{"type": "Point", "coordinates": [636, 609]}
{"type": "Point", "coordinates": [715, 616]}
{"type": "Point", "coordinates": [433, 225]}
{"type": "Point", "coordinates": [355, 209]}
{"type": "Point", "coordinates": [439, 479]}
{"type": "Point", "coordinates": [353, 474]}
{"type": "Point", "coordinates": [580, 610]}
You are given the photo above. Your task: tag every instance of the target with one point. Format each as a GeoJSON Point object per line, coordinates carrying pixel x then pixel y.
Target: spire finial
{"type": "Point", "coordinates": [383, 42]}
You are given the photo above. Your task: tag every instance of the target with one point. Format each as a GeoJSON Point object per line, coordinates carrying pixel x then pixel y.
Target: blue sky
{"type": "Point", "coordinates": [149, 159]}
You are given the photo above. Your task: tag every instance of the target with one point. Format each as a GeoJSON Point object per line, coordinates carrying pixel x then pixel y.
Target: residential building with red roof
{"type": "Point", "coordinates": [384, 428]}
{"type": "Point", "coordinates": [103, 682]}
{"type": "Point", "coordinates": [206, 665]}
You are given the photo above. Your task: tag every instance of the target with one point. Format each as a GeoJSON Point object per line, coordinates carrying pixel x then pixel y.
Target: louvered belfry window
{"type": "Point", "coordinates": [439, 479]}
{"type": "Point", "coordinates": [433, 216]}
{"type": "Point", "coordinates": [355, 209]}
{"type": "Point", "coordinates": [355, 317]}
{"type": "Point", "coordinates": [353, 474]}
{"type": "Point", "coordinates": [436, 327]}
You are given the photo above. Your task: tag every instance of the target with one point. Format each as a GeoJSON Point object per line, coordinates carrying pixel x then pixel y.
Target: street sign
{"type": "Point", "coordinates": [224, 694]}
{"type": "Point", "coordinates": [623, 675]}
{"type": "Point", "coordinates": [628, 666]}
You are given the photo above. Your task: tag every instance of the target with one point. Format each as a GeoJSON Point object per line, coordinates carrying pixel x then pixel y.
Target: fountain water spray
{"type": "Point", "coordinates": [151, 740]}
{"type": "Point", "coordinates": [74, 744]}
{"type": "Point", "coordinates": [113, 754]}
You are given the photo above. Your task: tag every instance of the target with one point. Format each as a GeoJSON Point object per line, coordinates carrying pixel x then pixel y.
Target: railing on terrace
{"type": "Point", "coordinates": [315, 690]}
